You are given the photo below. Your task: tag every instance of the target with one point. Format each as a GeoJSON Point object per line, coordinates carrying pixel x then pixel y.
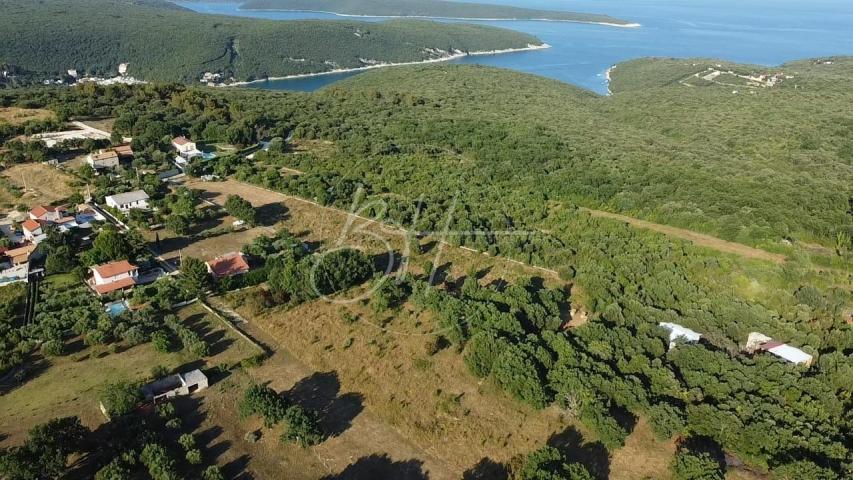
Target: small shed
{"type": "Point", "coordinates": [175, 385]}
{"type": "Point", "coordinates": [758, 342]}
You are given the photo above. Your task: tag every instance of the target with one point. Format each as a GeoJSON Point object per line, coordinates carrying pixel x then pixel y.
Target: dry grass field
{"type": "Point", "coordinates": [17, 116]}
{"type": "Point", "coordinates": [41, 184]}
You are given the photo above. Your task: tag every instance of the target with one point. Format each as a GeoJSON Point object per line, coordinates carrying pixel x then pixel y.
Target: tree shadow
{"type": "Point", "coordinates": [388, 262]}
{"type": "Point", "coordinates": [19, 376]}
{"type": "Point", "coordinates": [236, 469]}
{"type": "Point", "coordinates": [321, 392]}
{"type": "Point", "coordinates": [487, 469]}
{"type": "Point", "coordinates": [272, 213]}
{"type": "Point", "coordinates": [593, 456]}
{"type": "Point", "coordinates": [381, 466]}
{"type": "Point", "coordinates": [216, 339]}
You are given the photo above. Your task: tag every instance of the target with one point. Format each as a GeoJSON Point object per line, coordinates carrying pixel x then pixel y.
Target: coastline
{"type": "Point", "coordinates": [430, 17]}
{"type": "Point", "coordinates": [446, 58]}
{"type": "Point", "coordinates": [607, 77]}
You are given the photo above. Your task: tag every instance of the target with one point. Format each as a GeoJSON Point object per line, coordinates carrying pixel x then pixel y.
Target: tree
{"type": "Point", "coordinates": [303, 427]}
{"type": "Point", "coordinates": [213, 473]}
{"type": "Point", "coordinates": [481, 352]}
{"type": "Point", "coordinates": [340, 270]}
{"type": "Point", "coordinates": [120, 398]}
{"type": "Point", "coordinates": [179, 224]}
{"type": "Point", "coordinates": [694, 462]}
{"type": "Point", "coordinates": [241, 209]}
{"type": "Point", "coordinates": [109, 245]}
{"type": "Point", "coordinates": [45, 453]}
{"type": "Point", "coordinates": [115, 470]}
{"type": "Point", "coordinates": [516, 371]}
{"type": "Point", "coordinates": [194, 276]}
{"type": "Point", "coordinates": [548, 463]}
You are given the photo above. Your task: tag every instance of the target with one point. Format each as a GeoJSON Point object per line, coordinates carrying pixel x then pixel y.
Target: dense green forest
{"type": "Point", "coordinates": [162, 42]}
{"type": "Point", "coordinates": [426, 8]}
{"type": "Point", "coordinates": [502, 151]}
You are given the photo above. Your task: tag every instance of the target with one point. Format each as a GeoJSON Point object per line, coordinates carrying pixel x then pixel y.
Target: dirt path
{"type": "Point", "coordinates": [699, 239]}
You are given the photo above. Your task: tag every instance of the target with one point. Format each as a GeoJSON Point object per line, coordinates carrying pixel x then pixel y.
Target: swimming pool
{"type": "Point", "coordinates": [117, 308]}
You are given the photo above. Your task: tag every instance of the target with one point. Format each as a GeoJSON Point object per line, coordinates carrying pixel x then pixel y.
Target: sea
{"type": "Point", "coordinates": [764, 32]}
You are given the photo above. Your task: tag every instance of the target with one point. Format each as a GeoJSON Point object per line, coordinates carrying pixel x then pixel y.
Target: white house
{"type": "Point", "coordinates": [187, 149]}
{"type": "Point", "coordinates": [103, 159]}
{"type": "Point", "coordinates": [109, 277]}
{"type": "Point", "coordinates": [679, 333]}
{"type": "Point", "coordinates": [33, 231]}
{"type": "Point", "coordinates": [128, 201]}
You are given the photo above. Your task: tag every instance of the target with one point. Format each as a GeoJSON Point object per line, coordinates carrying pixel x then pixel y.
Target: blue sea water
{"type": "Point", "coordinates": [765, 32]}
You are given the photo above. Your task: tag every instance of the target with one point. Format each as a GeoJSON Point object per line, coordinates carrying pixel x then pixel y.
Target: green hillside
{"type": "Point", "coordinates": [427, 8]}
{"type": "Point", "coordinates": [500, 162]}
{"type": "Point", "coordinates": [163, 42]}
{"type": "Point", "coordinates": [755, 167]}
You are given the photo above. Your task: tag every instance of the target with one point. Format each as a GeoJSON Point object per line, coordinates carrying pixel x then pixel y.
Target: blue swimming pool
{"type": "Point", "coordinates": [117, 308]}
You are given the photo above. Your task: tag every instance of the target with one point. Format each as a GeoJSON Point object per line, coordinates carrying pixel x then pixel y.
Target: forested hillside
{"type": "Point", "coordinates": [755, 167]}
{"type": "Point", "coordinates": [162, 42]}
{"type": "Point", "coordinates": [481, 151]}
{"type": "Point", "coordinates": [426, 8]}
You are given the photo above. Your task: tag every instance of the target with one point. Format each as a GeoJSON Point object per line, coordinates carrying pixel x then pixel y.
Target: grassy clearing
{"type": "Point", "coordinates": [17, 116]}
{"type": "Point", "coordinates": [70, 385]}
{"type": "Point", "coordinates": [41, 184]}
{"type": "Point", "coordinates": [105, 124]}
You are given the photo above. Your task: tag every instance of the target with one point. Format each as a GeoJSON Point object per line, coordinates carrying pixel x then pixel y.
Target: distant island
{"type": "Point", "coordinates": [431, 9]}
{"type": "Point", "coordinates": [153, 40]}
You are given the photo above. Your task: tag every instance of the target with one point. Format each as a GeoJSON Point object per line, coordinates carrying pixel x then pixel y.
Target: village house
{"type": "Point", "coordinates": [758, 342]}
{"type": "Point", "coordinates": [128, 201]}
{"type": "Point", "coordinates": [187, 150]}
{"type": "Point", "coordinates": [103, 160]}
{"type": "Point", "coordinates": [33, 231]}
{"type": "Point", "coordinates": [677, 333]}
{"type": "Point", "coordinates": [113, 276]}
{"type": "Point", "coordinates": [175, 385]}
{"type": "Point", "coordinates": [228, 265]}
{"type": "Point", "coordinates": [48, 213]}
{"type": "Point", "coordinates": [124, 152]}
{"type": "Point", "coordinates": [20, 255]}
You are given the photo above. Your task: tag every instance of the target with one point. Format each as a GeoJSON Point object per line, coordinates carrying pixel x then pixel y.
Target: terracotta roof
{"type": "Point", "coordinates": [228, 265]}
{"type": "Point", "coordinates": [114, 268]}
{"type": "Point", "coordinates": [180, 140]}
{"type": "Point", "coordinates": [105, 155]}
{"type": "Point", "coordinates": [30, 225]}
{"type": "Point", "coordinates": [124, 150]}
{"type": "Point", "coordinates": [112, 287]}
{"type": "Point", "coordinates": [21, 254]}
{"type": "Point", "coordinates": [41, 210]}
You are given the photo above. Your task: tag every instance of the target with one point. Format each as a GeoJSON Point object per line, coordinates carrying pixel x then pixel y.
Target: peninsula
{"type": "Point", "coordinates": [159, 41]}
{"type": "Point", "coordinates": [440, 9]}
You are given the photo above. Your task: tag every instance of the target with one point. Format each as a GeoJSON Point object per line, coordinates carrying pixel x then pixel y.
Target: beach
{"type": "Point", "coordinates": [445, 58]}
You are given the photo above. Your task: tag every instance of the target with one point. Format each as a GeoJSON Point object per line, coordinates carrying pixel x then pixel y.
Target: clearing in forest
{"type": "Point", "coordinates": [17, 116]}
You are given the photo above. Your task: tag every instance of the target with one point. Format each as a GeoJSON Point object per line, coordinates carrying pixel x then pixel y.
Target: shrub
{"type": "Point", "coordinates": [303, 427]}
{"type": "Point", "coordinates": [53, 348]}
{"type": "Point", "coordinates": [120, 398]}
{"type": "Point", "coordinates": [695, 463]}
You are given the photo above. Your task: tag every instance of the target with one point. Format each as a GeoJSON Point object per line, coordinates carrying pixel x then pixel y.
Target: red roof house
{"type": "Point", "coordinates": [228, 265]}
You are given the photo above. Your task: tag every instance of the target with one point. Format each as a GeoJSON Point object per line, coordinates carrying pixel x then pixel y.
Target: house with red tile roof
{"type": "Point", "coordinates": [228, 265]}
{"type": "Point", "coordinates": [113, 276]}
{"type": "Point", "coordinates": [33, 230]}
{"type": "Point", "coordinates": [47, 213]}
